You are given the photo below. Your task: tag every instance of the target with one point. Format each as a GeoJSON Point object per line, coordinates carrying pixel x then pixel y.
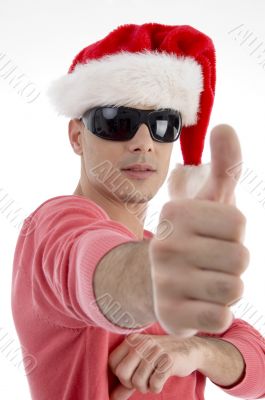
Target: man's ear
{"type": "Point", "coordinates": [75, 130]}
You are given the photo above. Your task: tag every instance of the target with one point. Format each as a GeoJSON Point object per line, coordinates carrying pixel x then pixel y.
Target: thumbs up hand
{"type": "Point", "coordinates": [196, 269]}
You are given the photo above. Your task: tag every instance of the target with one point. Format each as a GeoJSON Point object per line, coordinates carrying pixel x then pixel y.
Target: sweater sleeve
{"type": "Point", "coordinates": [68, 241]}
{"type": "Point", "coordinates": [252, 347]}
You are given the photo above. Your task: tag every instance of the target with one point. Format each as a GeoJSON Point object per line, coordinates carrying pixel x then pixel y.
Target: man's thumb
{"type": "Point", "coordinates": [225, 157]}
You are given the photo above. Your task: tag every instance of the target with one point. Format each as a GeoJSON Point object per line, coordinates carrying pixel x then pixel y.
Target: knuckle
{"type": "Point", "coordinates": [239, 289]}
{"type": "Point", "coordinates": [235, 288]}
{"type": "Point", "coordinates": [119, 372]}
{"type": "Point", "coordinates": [240, 220]}
{"type": "Point", "coordinates": [123, 375]}
{"type": "Point", "coordinates": [227, 290]}
{"type": "Point", "coordinates": [224, 288]}
{"type": "Point", "coordinates": [155, 387]}
{"type": "Point", "coordinates": [218, 289]}
{"type": "Point", "coordinates": [157, 381]}
{"type": "Point", "coordinates": [137, 384]}
{"type": "Point", "coordinates": [241, 258]}
{"type": "Point", "coordinates": [168, 210]}
{"type": "Point", "coordinates": [145, 345]}
{"type": "Point", "coordinates": [150, 354]}
{"type": "Point", "coordinates": [164, 364]}
{"type": "Point", "coordinates": [210, 319]}
{"type": "Point", "coordinates": [133, 339]}
{"type": "Point", "coordinates": [177, 209]}
{"type": "Point", "coordinates": [164, 229]}
{"type": "Point", "coordinates": [245, 257]}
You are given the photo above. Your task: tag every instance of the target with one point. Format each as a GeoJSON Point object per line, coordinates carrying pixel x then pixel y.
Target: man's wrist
{"type": "Point", "coordinates": [201, 351]}
{"type": "Point", "coordinates": [220, 361]}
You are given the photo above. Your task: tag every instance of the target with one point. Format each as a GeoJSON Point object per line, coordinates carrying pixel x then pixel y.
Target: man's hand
{"type": "Point", "coordinates": [196, 269]}
{"type": "Point", "coordinates": [145, 362]}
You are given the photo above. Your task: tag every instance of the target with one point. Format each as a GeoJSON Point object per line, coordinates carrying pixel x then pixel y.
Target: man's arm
{"type": "Point", "coordinates": [124, 276]}
{"type": "Point", "coordinates": [222, 362]}
{"type": "Point", "coordinates": [247, 344]}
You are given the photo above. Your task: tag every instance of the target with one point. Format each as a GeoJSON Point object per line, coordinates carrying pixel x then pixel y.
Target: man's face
{"type": "Point", "coordinates": [103, 161]}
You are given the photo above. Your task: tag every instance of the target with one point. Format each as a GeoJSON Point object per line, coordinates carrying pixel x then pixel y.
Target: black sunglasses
{"type": "Point", "coordinates": [121, 123]}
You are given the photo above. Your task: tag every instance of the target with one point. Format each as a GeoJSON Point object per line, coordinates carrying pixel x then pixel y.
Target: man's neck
{"type": "Point", "coordinates": [131, 217]}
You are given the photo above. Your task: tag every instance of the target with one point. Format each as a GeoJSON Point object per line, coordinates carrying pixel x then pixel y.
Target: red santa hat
{"type": "Point", "coordinates": [156, 65]}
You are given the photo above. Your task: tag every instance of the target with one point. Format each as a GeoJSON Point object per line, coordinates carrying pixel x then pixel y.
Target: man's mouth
{"type": "Point", "coordinates": [139, 167]}
{"type": "Point", "coordinates": [137, 174]}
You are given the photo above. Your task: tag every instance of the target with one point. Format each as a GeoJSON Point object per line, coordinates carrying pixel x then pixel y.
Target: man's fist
{"type": "Point", "coordinates": [196, 269]}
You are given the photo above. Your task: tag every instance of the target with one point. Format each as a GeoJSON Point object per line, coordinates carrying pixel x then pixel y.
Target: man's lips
{"type": "Point", "coordinates": [133, 173]}
{"type": "Point", "coordinates": [139, 167]}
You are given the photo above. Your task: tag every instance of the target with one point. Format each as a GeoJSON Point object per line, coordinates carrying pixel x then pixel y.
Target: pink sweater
{"type": "Point", "coordinates": [65, 338]}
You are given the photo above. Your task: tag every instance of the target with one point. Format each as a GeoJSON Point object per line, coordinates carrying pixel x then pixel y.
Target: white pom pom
{"type": "Point", "coordinates": [185, 181]}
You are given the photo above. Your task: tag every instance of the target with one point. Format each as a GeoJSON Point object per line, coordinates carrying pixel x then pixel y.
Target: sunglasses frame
{"type": "Point", "coordinates": [89, 121]}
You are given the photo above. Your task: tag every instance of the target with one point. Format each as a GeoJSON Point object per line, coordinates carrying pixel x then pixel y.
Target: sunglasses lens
{"type": "Point", "coordinates": [113, 123]}
{"type": "Point", "coordinates": [165, 125]}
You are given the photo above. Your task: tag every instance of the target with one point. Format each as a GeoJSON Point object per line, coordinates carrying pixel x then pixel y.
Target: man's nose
{"type": "Point", "coordinates": [142, 139]}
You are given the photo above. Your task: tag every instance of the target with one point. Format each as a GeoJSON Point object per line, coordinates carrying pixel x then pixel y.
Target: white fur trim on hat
{"type": "Point", "coordinates": [185, 181]}
{"type": "Point", "coordinates": [149, 78]}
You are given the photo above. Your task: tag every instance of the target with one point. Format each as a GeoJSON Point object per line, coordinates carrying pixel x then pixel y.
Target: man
{"type": "Point", "coordinates": [106, 308]}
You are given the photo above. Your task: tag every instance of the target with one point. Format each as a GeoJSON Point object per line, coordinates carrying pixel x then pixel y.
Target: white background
{"type": "Point", "coordinates": [37, 162]}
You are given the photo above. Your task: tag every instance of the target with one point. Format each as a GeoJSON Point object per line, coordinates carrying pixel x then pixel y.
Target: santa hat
{"type": "Point", "coordinates": [156, 65]}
